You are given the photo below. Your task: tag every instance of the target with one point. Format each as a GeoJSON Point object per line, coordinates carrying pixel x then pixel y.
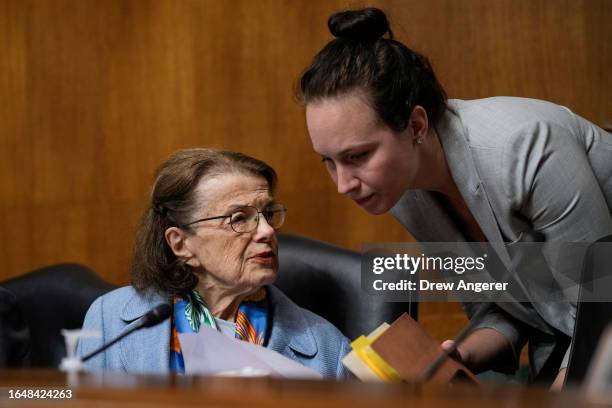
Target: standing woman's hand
{"type": "Point", "coordinates": [480, 349]}
{"type": "Point", "coordinates": [557, 385]}
{"type": "Point", "coordinates": [449, 347]}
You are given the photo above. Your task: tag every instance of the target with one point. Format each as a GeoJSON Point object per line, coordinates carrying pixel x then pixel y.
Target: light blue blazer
{"type": "Point", "coordinates": [296, 333]}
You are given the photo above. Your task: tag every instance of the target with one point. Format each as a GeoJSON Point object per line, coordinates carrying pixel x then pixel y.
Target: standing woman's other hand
{"type": "Point", "coordinates": [557, 385]}
{"type": "Point", "coordinates": [449, 347]}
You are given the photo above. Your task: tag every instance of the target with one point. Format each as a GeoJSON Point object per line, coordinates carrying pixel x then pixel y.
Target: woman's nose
{"type": "Point", "coordinates": [346, 181]}
{"type": "Point", "coordinates": [264, 231]}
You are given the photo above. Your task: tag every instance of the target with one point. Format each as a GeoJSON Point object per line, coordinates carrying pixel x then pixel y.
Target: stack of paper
{"type": "Point", "coordinates": [210, 352]}
{"type": "Point", "coordinates": [365, 363]}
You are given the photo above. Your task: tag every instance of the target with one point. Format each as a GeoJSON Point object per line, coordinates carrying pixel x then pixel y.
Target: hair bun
{"type": "Point", "coordinates": [367, 24]}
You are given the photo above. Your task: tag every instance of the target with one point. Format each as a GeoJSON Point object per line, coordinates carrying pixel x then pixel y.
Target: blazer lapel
{"type": "Point", "coordinates": [290, 330]}
{"type": "Point", "coordinates": [148, 349]}
{"type": "Point", "coordinates": [454, 139]}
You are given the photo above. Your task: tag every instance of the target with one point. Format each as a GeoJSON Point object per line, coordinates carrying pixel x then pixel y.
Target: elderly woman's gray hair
{"type": "Point", "coordinates": [154, 265]}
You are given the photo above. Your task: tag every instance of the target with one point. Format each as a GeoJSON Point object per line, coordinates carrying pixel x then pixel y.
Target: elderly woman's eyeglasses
{"type": "Point", "coordinates": [246, 218]}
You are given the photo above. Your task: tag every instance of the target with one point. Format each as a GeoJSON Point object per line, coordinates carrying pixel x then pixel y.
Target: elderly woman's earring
{"type": "Point", "coordinates": [419, 140]}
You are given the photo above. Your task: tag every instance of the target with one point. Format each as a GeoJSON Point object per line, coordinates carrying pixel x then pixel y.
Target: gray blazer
{"type": "Point", "coordinates": [520, 165]}
{"type": "Point", "coordinates": [296, 333]}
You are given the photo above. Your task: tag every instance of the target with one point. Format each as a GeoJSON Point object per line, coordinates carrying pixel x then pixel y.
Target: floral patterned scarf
{"type": "Point", "coordinates": [190, 312]}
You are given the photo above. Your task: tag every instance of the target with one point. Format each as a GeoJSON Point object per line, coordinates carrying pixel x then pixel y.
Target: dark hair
{"type": "Point", "coordinates": [172, 204]}
{"type": "Point", "coordinates": [394, 77]}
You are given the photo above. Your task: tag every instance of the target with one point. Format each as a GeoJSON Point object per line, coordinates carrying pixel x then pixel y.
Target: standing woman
{"type": "Point", "coordinates": [453, 170]}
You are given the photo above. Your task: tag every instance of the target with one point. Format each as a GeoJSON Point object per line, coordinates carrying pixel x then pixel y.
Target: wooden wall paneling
{"type": "Point", "coordinates": [95, 95]}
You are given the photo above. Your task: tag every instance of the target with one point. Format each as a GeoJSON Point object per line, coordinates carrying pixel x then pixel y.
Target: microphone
{"type": "Point", "coordinates": [153, 317]}
{"type": "Point", "coordinates": [156, 315]}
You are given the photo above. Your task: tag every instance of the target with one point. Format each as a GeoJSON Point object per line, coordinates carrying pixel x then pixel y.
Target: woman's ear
{"type": "Point", "coordinates": [419, 122]}
{"type": "Point", "coordinates": [177, 240]}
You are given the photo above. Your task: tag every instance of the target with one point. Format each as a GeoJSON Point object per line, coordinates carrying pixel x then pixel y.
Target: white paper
{"type": "Point", "coordinates": [210, 352]}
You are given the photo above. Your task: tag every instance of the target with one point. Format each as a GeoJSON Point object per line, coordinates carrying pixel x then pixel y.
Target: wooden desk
{"type": "Point", "coordinates": [118, 390]}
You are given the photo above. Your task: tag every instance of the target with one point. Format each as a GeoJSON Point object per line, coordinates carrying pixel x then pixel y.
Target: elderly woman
{"type": "Point", "coordinates": [207, 245]}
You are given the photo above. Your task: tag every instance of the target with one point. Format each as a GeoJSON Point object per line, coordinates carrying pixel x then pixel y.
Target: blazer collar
{"type": "Point", "coordinates": [148, 349]}
{"type": "Point", "coordinates": [415, 206]}
{"type": "Point", "coordinates": [139, 303]}
{"type": "Point", "coordinates": [289, 326]}
{"type": "Point", "coordinates": [454, 138]}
